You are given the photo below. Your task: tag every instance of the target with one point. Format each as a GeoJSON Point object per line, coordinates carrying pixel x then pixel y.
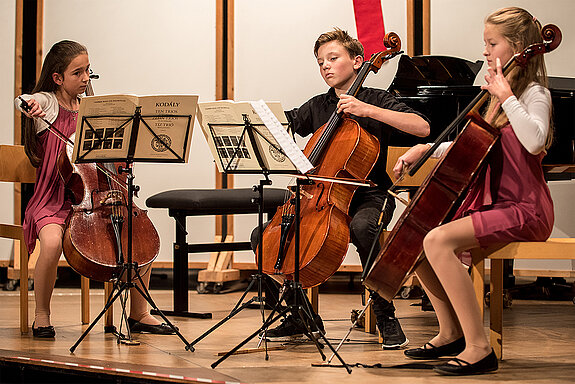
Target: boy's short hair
{"type": "Point", "coordinates": [352, 46]}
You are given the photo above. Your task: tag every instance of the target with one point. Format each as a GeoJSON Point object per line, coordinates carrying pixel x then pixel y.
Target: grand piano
{"type": "Point", "coordinates": [441, 86]}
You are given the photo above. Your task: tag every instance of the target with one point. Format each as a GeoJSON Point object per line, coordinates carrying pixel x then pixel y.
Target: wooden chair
{"type": "Point", "coordinates": [562, 249]}
{"type": "Point", "coordinates": [16, 168]}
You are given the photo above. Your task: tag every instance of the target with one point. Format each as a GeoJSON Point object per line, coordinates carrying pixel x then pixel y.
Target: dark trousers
{"type": "Point", "coordinates": [365, 210]}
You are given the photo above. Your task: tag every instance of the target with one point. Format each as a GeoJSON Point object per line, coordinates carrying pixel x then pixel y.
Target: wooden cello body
{"type": "Point", "coordinates": [324, 222]}
{"type": "Point", "coordinates": [430, 206]}
{"type": "Point", "coordinates": [443, 187]}
{"type": "Point", "coordinates": [97, 226]}
{"type": "Point", "coordinates": [339, 149]}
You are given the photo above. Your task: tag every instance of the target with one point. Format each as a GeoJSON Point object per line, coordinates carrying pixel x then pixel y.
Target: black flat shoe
{"type": "Point", "coordinates": [488, 364]}
{"type": "Point", "coordinates": [430, 351]}
{"type": "Point", "coordinates": [43, 332]}
{"type": "Point", "coordinates": [160, 329]}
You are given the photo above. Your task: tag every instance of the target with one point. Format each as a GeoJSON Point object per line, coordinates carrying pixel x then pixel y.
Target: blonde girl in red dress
{"type": "Point", "coordinates": [510, 201]}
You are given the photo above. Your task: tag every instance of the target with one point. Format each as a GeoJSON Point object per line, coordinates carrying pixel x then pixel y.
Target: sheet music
{"type": "Point", "coordinates": [105, 125]}
{"type": "Point", "coordinates": [284, 140]}
{"type": "Point", "coordinates": [224, 128]}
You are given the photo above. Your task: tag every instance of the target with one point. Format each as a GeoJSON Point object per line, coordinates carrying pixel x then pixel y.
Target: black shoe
{"type": "Point", "coordinates": [43, 332]}
{"type": "Point", "coordinates": [488, 364]}
{"type": "Point", "coordinates": [392, 334]}
{"type": "Point", "coordinates": [358, 320]}
{"type": "Point", "coordinates": [160, 329]}
{"type": "Point", "coordinates": [430, 351]}
{"type": "Point", "coordinates": [291, 329]}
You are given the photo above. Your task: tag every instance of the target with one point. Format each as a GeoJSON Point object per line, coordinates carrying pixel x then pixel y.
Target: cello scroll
{"type": "Point", "coordinates": [552, 37]}
{"type": "Point", "coordinates": [391, 41]}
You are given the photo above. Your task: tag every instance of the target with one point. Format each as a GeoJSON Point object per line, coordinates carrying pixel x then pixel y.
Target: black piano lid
{"type": "Point", "coordinates": [562, 151]}
{"type": "Point", "coordinates": [562, 83]}
{"type": "Point", "coordinates": [432, 74]}
{"type": "Point", "coordinates": [439, 87]}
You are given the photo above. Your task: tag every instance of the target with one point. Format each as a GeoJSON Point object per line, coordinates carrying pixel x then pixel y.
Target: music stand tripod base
{"type": "Point", "coordinates": [256, 279]}
{"type": "Point", "coordinates": [300, 306]}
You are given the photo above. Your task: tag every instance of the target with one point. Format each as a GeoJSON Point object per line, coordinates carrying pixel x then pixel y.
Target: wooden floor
{"type": "Point", "coordinates": [539, 343]}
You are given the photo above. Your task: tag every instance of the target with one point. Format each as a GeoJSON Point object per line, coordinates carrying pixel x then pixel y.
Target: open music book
{"type": "Point", "coordinates": [226, 125]}
{"type": "Point", "coordinates": [106, 128]}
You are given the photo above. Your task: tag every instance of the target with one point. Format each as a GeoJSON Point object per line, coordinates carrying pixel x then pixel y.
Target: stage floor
{"type": "Point", "coordinates": [539, 344]}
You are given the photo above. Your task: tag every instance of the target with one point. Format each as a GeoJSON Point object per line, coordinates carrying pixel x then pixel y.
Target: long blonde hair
{"type": "Point", "coordinates": [520, 29]}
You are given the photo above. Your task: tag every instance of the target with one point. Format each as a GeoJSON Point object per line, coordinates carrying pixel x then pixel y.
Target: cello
{"type": "Point", "coordinates": [340, 149]}
{"type": "Point", "coordinates": [95, 239]}
{"type": "Point", "coordinates": [445, 185]}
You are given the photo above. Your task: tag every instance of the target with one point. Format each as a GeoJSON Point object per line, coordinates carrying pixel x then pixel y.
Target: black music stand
{"type": "Point", "coordinates": [230, 151]}
{"type": "Point", "coordinates": [368, 264]}
{"type": "Point", "coordinates": [90, 146]}
{"type": "Point", "coordinates": [257, 141]}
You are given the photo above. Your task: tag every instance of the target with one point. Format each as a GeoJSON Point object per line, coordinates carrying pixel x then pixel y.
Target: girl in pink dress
{"type": "Point", "coordinates": [509, 201]}
{"type": "Point", "coordinates": [64, 76]}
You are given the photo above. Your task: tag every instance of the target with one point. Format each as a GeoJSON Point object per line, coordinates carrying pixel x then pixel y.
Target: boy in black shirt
{"type": "Point", "coordinates": [339, 57]}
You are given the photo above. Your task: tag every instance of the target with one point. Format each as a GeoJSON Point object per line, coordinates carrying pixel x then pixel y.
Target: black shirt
{"type": "Point", "coordinates": [316, 112]}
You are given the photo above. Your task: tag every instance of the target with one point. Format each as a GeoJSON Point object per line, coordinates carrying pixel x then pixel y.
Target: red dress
{"type": "Point", "coordinates": [48, 203]}
{"type": "Point", "coordinates": [510, 200]}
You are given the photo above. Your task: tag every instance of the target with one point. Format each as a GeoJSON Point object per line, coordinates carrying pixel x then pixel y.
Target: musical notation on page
{"type": "Point", "coordinates": [286, 143]}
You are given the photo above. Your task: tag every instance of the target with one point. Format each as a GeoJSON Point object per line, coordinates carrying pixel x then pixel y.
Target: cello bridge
{"type": "Point", "coordinates": [113, 198]}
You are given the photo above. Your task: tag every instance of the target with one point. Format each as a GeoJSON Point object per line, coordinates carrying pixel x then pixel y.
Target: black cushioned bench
{"type": "Point", "coordinates": [182, 203]}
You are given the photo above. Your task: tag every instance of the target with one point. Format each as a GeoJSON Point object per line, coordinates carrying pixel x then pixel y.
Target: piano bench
{"type": "Point", "coordinates": [182, 203]}
{"type": "Point", "coordinates": [557, 248]}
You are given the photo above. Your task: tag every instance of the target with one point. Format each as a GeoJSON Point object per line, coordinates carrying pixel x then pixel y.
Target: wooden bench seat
{"type": "Point", "coordinates": [183, 203]}
{"type": "Point", "coordinates": [552, 249]}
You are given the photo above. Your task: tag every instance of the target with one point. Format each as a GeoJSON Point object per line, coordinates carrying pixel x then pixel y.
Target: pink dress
{"type": "Point", "coordinates": [48, 203]}
{"type": "Point", "coordinates": [510, 200]}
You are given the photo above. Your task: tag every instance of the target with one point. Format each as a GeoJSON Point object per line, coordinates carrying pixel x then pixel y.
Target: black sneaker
{"type": "Point", "coordinates": [358, 320]}
{"type": "Point", "coordinates": [391, 333]}
{"type": "Point", "coordinates": [291, 329]}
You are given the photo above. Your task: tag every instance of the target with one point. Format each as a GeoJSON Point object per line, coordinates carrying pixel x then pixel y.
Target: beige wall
{"type": "Point", "coordinates": [149, 47]}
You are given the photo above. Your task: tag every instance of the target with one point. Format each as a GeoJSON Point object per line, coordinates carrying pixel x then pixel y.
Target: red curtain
{"type": "Point", "coordinates": [369, 24]}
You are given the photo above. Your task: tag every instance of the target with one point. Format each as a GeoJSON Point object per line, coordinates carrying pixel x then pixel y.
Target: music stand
{"type": "Point", "coordinates": [92, 132]}
{"type": "Point", "coordinates": [255, 144]}
{"type": "Point", "coordinates": [238, 148]}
